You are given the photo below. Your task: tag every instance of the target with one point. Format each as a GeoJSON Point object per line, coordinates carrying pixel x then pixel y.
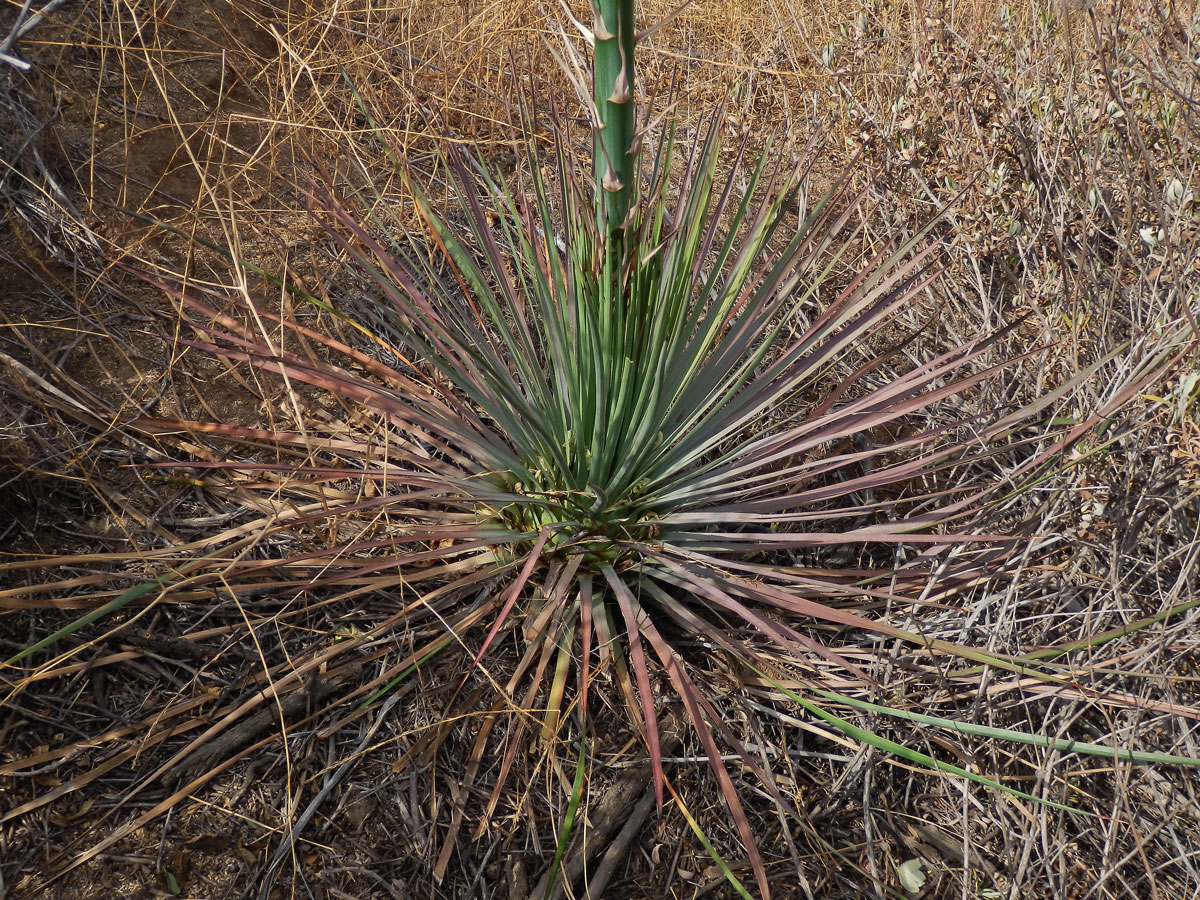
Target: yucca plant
{"type": "Point", "coordinates": [612, 421]}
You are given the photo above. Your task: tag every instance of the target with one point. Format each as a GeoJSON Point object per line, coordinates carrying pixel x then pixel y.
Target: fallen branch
{"type": "Point", "coordinates": [21, 28]}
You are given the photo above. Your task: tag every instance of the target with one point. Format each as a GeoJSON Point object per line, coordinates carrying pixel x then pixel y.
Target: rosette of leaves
{"type": "Point", "coordinates": [612, 421]}
{"type": "Point", "coordinates": [608, 472]}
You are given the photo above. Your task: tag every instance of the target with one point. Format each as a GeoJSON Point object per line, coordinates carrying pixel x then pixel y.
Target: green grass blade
{"type": "Point", "coordinates": [708, 845]}
{"type": "Point", "coordinates": [892, 748]}
{"type": "Point", "coordinates": [135, 593]}
{"type": "Point", "coordinates": [1066, 745]}
{"type": "Point", "coordinates": [568, 825]}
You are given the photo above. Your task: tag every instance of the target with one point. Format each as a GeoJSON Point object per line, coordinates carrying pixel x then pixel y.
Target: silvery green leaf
{"type": "Point", "coordinates": [912, 879]}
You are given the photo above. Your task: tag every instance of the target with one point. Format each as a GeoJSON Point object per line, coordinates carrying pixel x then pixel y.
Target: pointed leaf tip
{"type": "Point", "coordinates": [620, 93]}
{"type": "Point", "coordinates": [601, 30]}
{"type": "Point", "coordinates": [612, 183]}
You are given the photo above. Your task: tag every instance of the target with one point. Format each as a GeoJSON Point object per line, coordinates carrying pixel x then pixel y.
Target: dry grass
{"type": "Point", "coordinates": [1070, 130]}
